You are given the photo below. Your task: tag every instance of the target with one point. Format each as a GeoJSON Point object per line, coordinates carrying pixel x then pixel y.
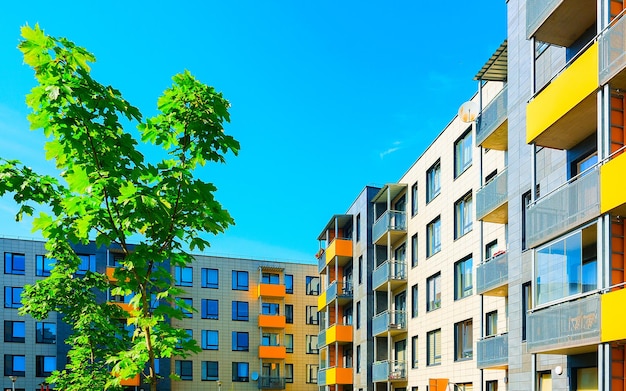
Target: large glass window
{"type": "Point", "coordinates": [241, 372]}
{"type": "Point", "coordinates": [270, 278]}
{"type": "Point", "coordinates": [210, 309]}
{"type": "Point", "coordinates": [188, 302]}
{"type": "Point", "coordinates": [311, 344]}
{"type": "Point", "coordinates": [44, 365]}
{"type": "Point", "coordinates": [210, 370]}
{"type": "Point", "coordinates": [87, 263]}
{"type": "Point", "coordinates": [433, 230]}
{"type": "Point", "coordinates": [414, 351]}
{"type": "Point", "coordinates": [240, 310]}
{"type": "Point", "coordinates": [14, 263]}
{"type": "Point", "coordinates": [289, 343]}
{"type": "Point", "coordinates": [210, 278]}
{"type": "Point", "coordinates": [433, 285]}
{"type": "Point", "coordinates": [270, 309]}
{"type": "Point", "coordinates": [433, 181]}
{"type": "Point", "coordinates": [43, 265]}
{"type": "Point", "coordinates": [289, 284]}
{"type": "Point", "coordinates": [288, 373]}
{"type": "Point", "coordinates": [184, 369]}
{"type": "Point", "coordinates": [45, 332]}
{"type": "Point", "coordinates": [311, 373]}
{"type": "Point", "coordinates": [312, 285]}
{"type": "Point", "coordinates": [463, 340]}
{"type": "Point", "coordinates": [414, 199]}
{"type": "Point", "coordinates": [289, 313]}
{"type": "Point", "coordinates": [240, 341]}
{"type": "Point", "coordinates": [463, 278]}
{"type": "Point", "coordinates": [434, 347]}
{"type": "Point", "coordinates": [14, 331]}
{"type": "Point", "coordinates": [14, 365]}
{"type": "Point", "coordinates": [210, 340]}
{"type": "Point", "coordinates": [414, 250]}
{"type": "Point", "coordinates": [311, 314]}
{"type": "Point", "coordinates": [240, 280]}
{"type": "Point", "coordinates": [13, 296]}
{"type": "Point", "coordinates": [414, 301]}
{"type": "Point", "coordinates": [183, 276]}
{"type": "Point", "coordinates": [463, 153]}
{"type": "Point", "coordinates": [491, 323]}
{"type": "Point", "coordinates": [463, 216]}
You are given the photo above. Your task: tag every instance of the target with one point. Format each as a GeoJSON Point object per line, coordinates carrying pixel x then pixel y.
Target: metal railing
{"type": "Point", "coordinates": [537, 11]}
{"type": "Point", "coordinates": [492, 273]}
{"type": "Point", "coordinates": [493, 351]}
{"type": "Point", "coordinates": [612, 49]}
{"type": "Point", "coordinates": [271, 383]}
{"type": "Point", "coordinates": [388, 370]}
{"type": "Point", "coordinates": [492, 195]}
{"type": "Point", "coordinates": [388, 320]}
{"type": "Point", "coordinates": [492, 116]}
{"type": "Point", "coordinates": [390, 220]}
{"type": "Point", "coordinates": [387, 271]}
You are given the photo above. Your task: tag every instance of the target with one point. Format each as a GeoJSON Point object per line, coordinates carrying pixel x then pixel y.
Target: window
{"type": "Point", "coordinates": [45, 332]}
{"type": "Point", "coordinates": [526, 198]}
{"type": "Point", "coordinates": [210, 340]}
{"type": "Point", "coordinates": [433, 299]}
{"type": "Point", "coordinates": [210, 309]}
{"type": "Point", "coordinates": [288, 373]}
{"type": "Point", "coordinates": [289, 313]}
{"type": "Point", "coordinates": [434, 347]}
{"type": "Point", "coordinates": [14, 331]}
{"type": "Point", "coordinates": [210, 370]}
{"type": "Point", "coordinates": [210, 278]}
{"type": "Point", "coordinates": [269, 339]}
{"type": "Point", "coordinates": [311, 344]}
{"type": "Point", "coordinates": [358, 358]}
{"type": "Point", "coordinates": [414, 250]}
{"type": "Point", "coordinates": [414, 360]}
{"type": "Point", "coordinates": [270, 278]}
{"type": "Point", "coordinates": [14, 365]}
{"type": "Point", "coordinates": [527, 304]}
{"type": "Point", "coordinates": [491, 323]}
{"type": "Point", "coordinates": [490, 249]}
{"type": "Point", "coordinates": [414, 199]}
{"type": "Point", "coordinates": [184, 369]}
{"type": "Point", "coordinates": [433, 230]}
{"type": "Point", "coordinates": [14, 263]}
{"type": "Point", "coordinates": [240, 280]}
{"type": "Point", "coordinates": [43, 265]}
{"type": "Point", "coordinates": [358, 227]}
{"type": "Point", "coordinates": [44, 365]}
{"type": "Point", "coordinates": [311, 314]}
{"type": "Point", "coordinates": [270, 309]}
{"type": "Point", "coordinates": [311, 373]}
{"type": "Point", "coordinates": [463, 216]}
{"type": "Point", "coordinates": [463, 278]}
{"type": "Point", "coordinates": [240, 341]}
{"type": "Point", "coordinates": [240, 310]}
{"type": "Point", "coordinates": [289, 284]}
{"type": "Point", "coordinates": [187, 302]}
{"type": "Point", "coordinates": [289, 343]}
{"type": "Point", "coordinates": [433, 181]}
{"type": "Point", "coordinates": [312, 286]}
{"type": "Point", "coordinates": [183, 276]}
{"type": "Point", "coordinates": [463, 153]}
{"type": "Point", "coordinates": [87, 263]}
{"type": "Point", "coordinates": [12, 297]}
{"type": "Point", "coordinates": [491, 385]}
{"type": "Point", "coordinates": [414, 301]}
{"type": "Point", "coordinates": [360, 269]}
{"type": "Point", "coordinates": [358, 315]}
{"type": "Point", "coordinates": [240, 372]}
{"type": "Point", "coordinates": [463, 340]}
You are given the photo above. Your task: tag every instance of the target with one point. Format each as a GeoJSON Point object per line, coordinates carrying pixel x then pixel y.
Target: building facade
{"type": "Point", "coordinates": [256, 322]}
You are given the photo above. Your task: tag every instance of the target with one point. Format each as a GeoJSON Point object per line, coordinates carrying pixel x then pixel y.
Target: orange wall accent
{"type": "Point", "coordinates": [618, 368]}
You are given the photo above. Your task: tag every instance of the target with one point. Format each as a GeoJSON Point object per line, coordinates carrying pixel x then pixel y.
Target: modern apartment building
{"type": "Point", "coordinates": [256, 322]}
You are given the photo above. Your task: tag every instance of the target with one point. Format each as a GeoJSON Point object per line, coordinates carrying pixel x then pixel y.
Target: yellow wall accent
{"type": "Point", "coordinates": [339, 333]}
{"type": "Point", "coordinates": [321, 301]}
{"type": "Point", "coordinates": [612, 316]}
{"type": "Point", "coordinates": [612, 192]}
{"type": "Point", "coordinates": [279, 352]}
{"type": "Point", "coordinates": [339, 376]}
{"type": "Point", "coordinates": [271, 290]}
{"type": "Point", "coordinates": [569, 88]}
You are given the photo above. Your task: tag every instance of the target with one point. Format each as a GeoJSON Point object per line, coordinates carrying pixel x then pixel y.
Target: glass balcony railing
{"type": "Point", "coordinates": [338, 290]}
{"type": "Point", "coordinates": [492, 274]}
{"type": "Point", "coordinates": [537, 11]}
{"type": "Point", "coordinates": [389, 271]}
{"type": "Point", "coordinates": [391, 220]}
{"type": "Point", "coordinates": [571, 205]}
{"type": "Point", "coordinates": [271, 383]}
{"type": "Point", "coordinates": [492, 116]}
{"type": "Point", "coordinates": [490, 197]}
{"type": "Point", "coordinates": [565, 325]}
{"type": "Point", "coordinates": [388, 370]}
{"type": "Point", "coordinates": [389, 321]}
{"type": "Point", "coordinates": [613, 52]}
{"type": "Point", "coordinates": [493, 351]}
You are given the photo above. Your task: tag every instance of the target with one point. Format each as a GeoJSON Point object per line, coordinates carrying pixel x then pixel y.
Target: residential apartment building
{"type": "Point", "coordinates": [256, 322]}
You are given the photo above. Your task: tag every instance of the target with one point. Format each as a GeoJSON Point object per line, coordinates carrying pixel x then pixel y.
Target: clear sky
{"type": "Point", "coordinates": [327, 96]}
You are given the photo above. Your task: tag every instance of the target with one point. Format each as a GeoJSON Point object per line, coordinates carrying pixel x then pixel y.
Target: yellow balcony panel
{"type": "Point", "coordinates": [613, 317]}
{"type": "Point", "coordinates": [339, 376]}
{"type": "Point", "coordinates": [565, 112]}
{"type": "Point", "coordinates": [275, 352]}
{"type": "Point", "coordinates": [339, 333]}
{"type": "Point", "coordinates": [340, 248]}
{"type": "Point", "coordinates": [560, 22]}
{"type": "Point", "coordinates": [272, 321]}
{"type": "Point", "coordinates": [271, 290]}
{"type": "Point", "coordinates": [612, 195]}
{"type": "Point", "coordinates": [321, 301]}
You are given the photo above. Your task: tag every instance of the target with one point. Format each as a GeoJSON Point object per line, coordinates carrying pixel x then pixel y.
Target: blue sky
{"type": "Point", "coordinates": [327, 96]}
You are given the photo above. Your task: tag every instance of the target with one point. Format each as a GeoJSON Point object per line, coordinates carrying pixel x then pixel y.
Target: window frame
{"type": "Point", "coordinates": [10, 292]}
{"type": "Point", "coordinates": [40, 333]}
{"type": "Point", "coordinates": [289, 343]}
{"type": "Point", "coordinates": [205, 340]}
{"type": "Point", "coordinates": [90, 260]}
{"type": "Point", "coordinates": [10, 331]}
{"type": "Point", "coordinates": [414, 199]}
{"type": "Point", "coordinates": [205, 314]}
{"type": "Point", "coordinates": [183, 276]}
{"type": "Point", "coordinates": [414, 301]}
{"type": "Point", "coordinates": [206, 373]}
{"type": "Point", "coordinates": [207, 281]}
{"type": "Point", "coordinates": [464, 340]}
{"type": "Point", "coordinates": [462, 147]}
{"type": "Point", "coordinates": [433, 181]}
{"type": "Point", "coordinates": [414, 249]}
{"type": "Point", "coordinates": [43, 265]}
{"type": "Point", "coordinates": [237, 375]}
{"type": "Point", "coordinates": [414, 352]}
{"type": "Point", "coordinates": [433, 292]}
{"type": "Point", "coordinates": [311, 316]}
{"type": "Point", "coordinates": [311, 344]}
{"type": "Point", "coordinates": [240, 285]}
{"type": "Point", "coordinates": [240, 311]}
{"type": "Point", "coordinates": [433, 348]}
{"type": "Point", "coordinates": [289, 284]}
{"type": "Point", "coordinates": [237, 344]}
{"type": "Point", "coordinates": [463, 218]}
{"type": "Point", "coordinates": [433, 237]}
{"type": "Point", "coordinates": [464, 283]}
{"type": "Point", "coordinates": [184, 369]}
{"type": "Point", "coordinates": [10, 263]}
{"type": "Point", "coordinates": [310, 284]}
{"type": "Point", "coordinates": [289, 313]}
{"type": "Point", "coordinates": [42, 363]}
{"type": "Point", "coordinates": [9, 370]}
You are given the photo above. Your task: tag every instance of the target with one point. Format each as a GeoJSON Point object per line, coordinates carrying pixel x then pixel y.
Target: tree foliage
{"type": "Point", "coordinates": [108, 191]}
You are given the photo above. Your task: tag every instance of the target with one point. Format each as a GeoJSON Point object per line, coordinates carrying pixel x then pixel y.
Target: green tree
{"type": "Point", "coordinates": [106, 189]}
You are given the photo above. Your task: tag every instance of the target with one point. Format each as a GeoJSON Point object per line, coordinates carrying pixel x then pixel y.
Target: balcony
{"type": "Point", "coordinates": [392, 222]}
{"type": "Point", "coordinates": [389, 321]}
{"type": "Point", "coordinates": [492, 200]}
{"type": "Point", "coordinates": [341, 249]}
{"type": "Point", "coordinates": [272, 321]}
{"type": "Point", "coordinates": [340, 291]}
{"type": "Point", "coordinates": [321, 260]}
{"type": "Point", "coordinates": [389, 370]}
{"type": "Point", "coordinates": [569, 327]}
{"type": "Point", "coordinates": [393, 272]}
{"type": "Point", "coordinates": [492, 124]}
{"type": "Point", "coordinates": [334, 375]}
{"type": "Point", "coordinates": [567, 207]}
{"type": "Point", "coordinates": [271, 291]}
{"type": "Point", "coordinates": [612, 195]}
{"type": "Point", "coordinates": [613, 316]}
{"type": "Point", "coordinates": [613, 55]}
{"type": "Point", "coordinates": [492, 276]}
{"type": "Point", "coordinates": [560, 22]}
{"type": "Point", "coordinates": [564, 113]}
{"type": "Point", "coordinates": [271, 383]}
{"type": "Point", "coordinates": [272, 352]}
{"type": "Point", "coordinates": [493, 352]}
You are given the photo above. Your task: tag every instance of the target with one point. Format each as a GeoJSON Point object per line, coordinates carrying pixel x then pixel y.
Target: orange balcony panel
{"type": "Point", "coordinates": [271, 290]}
{"type": "Point", "coordinates": [276, 352]}
{"type": "Point", "coordinates": [341, 248]}
{"type": "Point", "coordinates": [109, 272]}
{"type": "Point", "coordinates": [339, 376]}
{"type": "Point", "coordinates": [125, 306]}
{"type": "Point", "coordinates": [339, 333]}
{"type": "Point", "coordinates": [272, 321]}
{"type": "Point", "coordinates": [133, 381]}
